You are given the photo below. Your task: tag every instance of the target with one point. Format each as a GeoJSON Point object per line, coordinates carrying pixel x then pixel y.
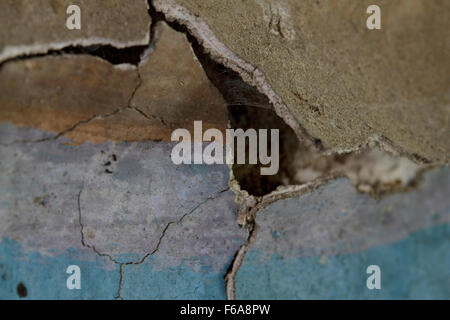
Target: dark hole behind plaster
{"type": "Point", "coordinates": [127, 55]}
{"type": "Point", "coordinates": [249, 176]}
{"type": "Point", "coordinates": [115, 56]}
{"type": "Point", "coordinates": [131, 55]}
{"type": "Point", "coordinates": [250, 109]}
{"type": "Point", "coordinates": [247, 108]}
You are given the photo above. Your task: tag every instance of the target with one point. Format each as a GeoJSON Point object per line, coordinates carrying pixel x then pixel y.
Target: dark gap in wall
{"type": "Point", "coordinates": [247, 109]}
{"type": "Point", "coordinates": [235, 91]}
{"type": "Point", "coordinates": [249, 176]}
{"type": "Point", "coordinates": [131, 55]}
{"type": "Point", "coordinates": [115, 56]}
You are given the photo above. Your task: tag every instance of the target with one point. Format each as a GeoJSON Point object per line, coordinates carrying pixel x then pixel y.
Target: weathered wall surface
{"type": "Point", "coordinates": [112, 206]}
{"type": "Point", "coordinates": [318, 245]}
{"type": "Point", "coordinates": [86, 177]}
{"type": "Point", "coordinates": [344, 83]}
{"type": "Point", "coordinates": [34, 27]}
{"type": "Point", "coordinates": [86, 98]}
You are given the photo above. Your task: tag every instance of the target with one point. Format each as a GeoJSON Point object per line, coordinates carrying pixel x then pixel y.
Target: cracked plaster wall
{"type": "Point", "coordinates": [34, 27]}
{"type": "Point", "coordinates": [146, 209]}
{"type": "Point", "coordinates": [86, 177]}
{"type": "Point", "coordinates": [331, 78]}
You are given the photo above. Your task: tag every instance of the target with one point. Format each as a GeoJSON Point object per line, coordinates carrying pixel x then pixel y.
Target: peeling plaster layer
{"type": "Point", "coordinates": [220, 53]}
{"type": "Point", "coordinates": [149, 229]}
{"type": "Point", "coordinates": [35, 27]}
{"type": "Point", "coordinates": [87, 99]}
{"type": "Point", "coordinates": [345, 84]}
{"type": "Point", "coordinates": [57, 93]}
{"type": "Point", "coordinates": [175, 88]}
{"type": "Point", "coordinates": [328, 234]}
{"type": "Point", "coordinates": [369, 169]}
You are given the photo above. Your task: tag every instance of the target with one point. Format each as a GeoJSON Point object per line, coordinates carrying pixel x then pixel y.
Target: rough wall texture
{"type": "Point", "coordinates": [78, 96]}
{"type": "Point", "coordinates": [85, 171]}
{"type": "Point", "coordinates": [63, 91]}
{"type": "Point", "coordinates": [318, 245]}
{"type": "Point", "coordinates": [34, 27]}
{"type": "Point", "coordinates": [123, 202]}
{"type": "Point", "coordinates": [344, 83]}
{"type": "Point", "coordinates": [175, 87]}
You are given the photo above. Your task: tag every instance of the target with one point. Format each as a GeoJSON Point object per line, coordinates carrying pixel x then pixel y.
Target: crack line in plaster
{"type": "Point", "coordinates": [212, 197]}
{"type": "Point", "coordinates": [150, 116]}
{"type": "Point", "coordinates": [247, 214]}
{"type": "Point", "coordinates": [169, 11]}
{"type": "Point", "coordinates": [140, 261]}
{"type": "Point", "coordinates": [98, 117]}
{"type": "Point", "coordinates": [193, 26]}
{"type": "Point", "coordinates": [118, 53]}
{"type": "Point", "coordinates": [115, 56]}
{"type": "Point", "coordinates": [222, 54]}
{"type": "Point", "coordinates": [236, 264]}
{"type": "Point", "coordinates": [72, 128]}
{"type": "Point", "coordinates": [106, 48]}
{"type": "Point", "coordinates": [219, 52]}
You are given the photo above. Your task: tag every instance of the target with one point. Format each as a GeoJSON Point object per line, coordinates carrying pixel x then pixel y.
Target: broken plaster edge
{"type": "Point", "coordinates": [249, 212]}
{"type": "Point", "coordinates": [230, 282]}
{"type": "Point", "coordinates": [249, 205]}
{"type": "Point", "coordinates": [13, 52]}
{"type": "Point", "coordinates": [253, 76]}
{"type": "Point", "coordinates": [384, 144]}
{"type": "Point", "coordinates": [257, 204]}
{"type": "Point", "coordinates": [17, 51]}
{"type": "Point", "coordinates": [222, 54]}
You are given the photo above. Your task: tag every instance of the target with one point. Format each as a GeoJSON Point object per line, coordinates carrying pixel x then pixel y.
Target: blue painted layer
{"type": "Point", "coordinates": [179, 282]}
{"type": "Point", "coordinates": [417, 267]}
{"type": "Point", "coordinates": [45, 276]}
